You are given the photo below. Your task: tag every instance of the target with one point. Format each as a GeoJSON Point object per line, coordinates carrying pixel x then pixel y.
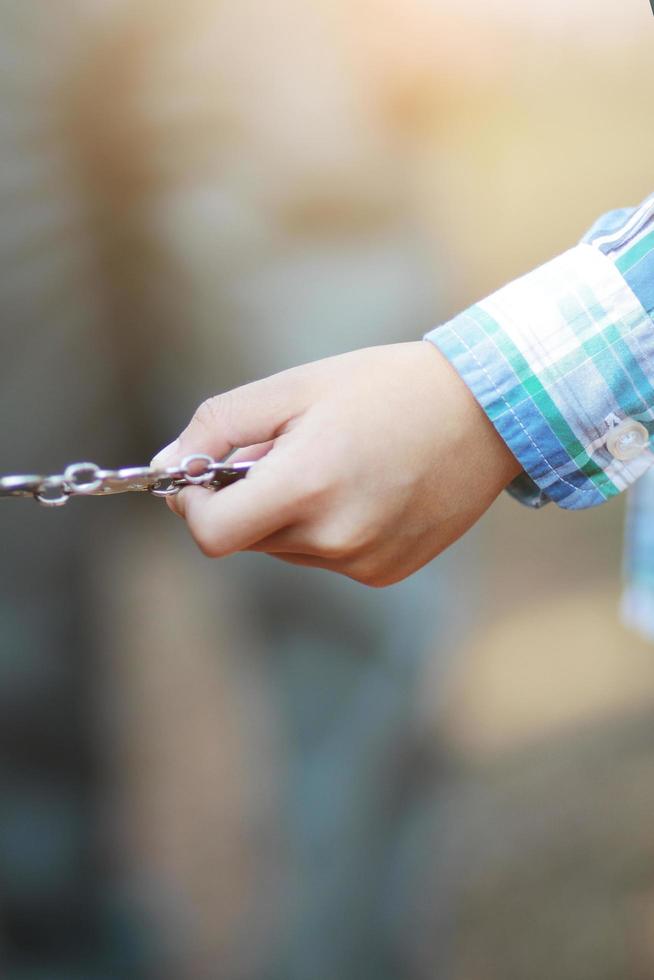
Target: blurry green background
{"type": "Point", "coordinates": [245, 770]}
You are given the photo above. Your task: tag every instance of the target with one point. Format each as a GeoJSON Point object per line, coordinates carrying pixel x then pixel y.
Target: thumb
{"type": "Point", "coordinates": [254, 413]}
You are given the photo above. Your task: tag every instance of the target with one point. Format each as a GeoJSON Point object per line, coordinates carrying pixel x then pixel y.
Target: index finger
{"type": "Point", "coordinates": [254, 413]}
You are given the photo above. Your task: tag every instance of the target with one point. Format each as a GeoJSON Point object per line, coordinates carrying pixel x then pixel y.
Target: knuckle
{"type": "Point", "coordinates": [206, 547]}
{"type": "Point", "coordinates": [379, 581]}
{"type": "Point", "coordinates": [345, 542]}
{"type": "Point", "coordinates": [208, 544]}
{"type": "Point", "coordinates": [374, 573]}
{"type": "Point", "coordinates": [366, 575]}
{"type": "Point", "coordinates": [333, 545]}
{"type": "Point", "coordinates": [331, 549]}
{"type": "Point", "coordinates": [213, 411]}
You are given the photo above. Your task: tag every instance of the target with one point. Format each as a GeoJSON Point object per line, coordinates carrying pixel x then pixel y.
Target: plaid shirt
{"type": "Point", "coordinates": [562, 362]}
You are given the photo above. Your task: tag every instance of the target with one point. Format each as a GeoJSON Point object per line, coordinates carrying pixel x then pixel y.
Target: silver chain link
{"type": "Point", "coordinates": [88, 479]}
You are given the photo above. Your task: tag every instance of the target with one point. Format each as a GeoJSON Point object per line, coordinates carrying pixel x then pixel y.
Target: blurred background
{"type": "Point", "coordinates": [240, 769]}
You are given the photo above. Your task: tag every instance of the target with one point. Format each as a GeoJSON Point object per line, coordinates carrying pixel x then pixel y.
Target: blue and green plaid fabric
{"type": "Point", "coordinates": [560, 356]}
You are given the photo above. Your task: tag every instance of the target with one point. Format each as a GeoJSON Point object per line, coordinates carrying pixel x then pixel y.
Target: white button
{"type": "Point", "coordinates": [627, 440]}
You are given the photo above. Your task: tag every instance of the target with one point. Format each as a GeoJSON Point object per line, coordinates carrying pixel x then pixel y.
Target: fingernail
{"type": "Point", "coordinates": [166, 456]}
{"type": "Point", "coordinates": [179, 504]}
{"type": "Point", "coordinates": [174, 505]}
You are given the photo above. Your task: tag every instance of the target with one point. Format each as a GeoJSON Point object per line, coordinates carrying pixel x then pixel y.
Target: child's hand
{"type": "Point", "coordinates": [369, 464]}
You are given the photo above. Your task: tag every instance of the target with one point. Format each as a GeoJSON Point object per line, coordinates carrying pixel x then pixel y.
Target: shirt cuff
{"type": "Point", "coordinates": [562, 357]}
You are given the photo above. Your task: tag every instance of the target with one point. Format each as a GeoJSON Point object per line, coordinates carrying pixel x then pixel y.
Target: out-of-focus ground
{"type": "Point", "coordinates": [240, 769]}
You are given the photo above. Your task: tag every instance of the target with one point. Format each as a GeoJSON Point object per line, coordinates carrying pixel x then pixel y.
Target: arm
{"type": "Point", "coordinates": [562, 361]}
{"type": "Point", "coordinates": [372, 463]}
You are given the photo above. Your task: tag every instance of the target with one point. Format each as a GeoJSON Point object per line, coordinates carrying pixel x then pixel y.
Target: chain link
{"type": "Point", "coordinates": [90, 480]}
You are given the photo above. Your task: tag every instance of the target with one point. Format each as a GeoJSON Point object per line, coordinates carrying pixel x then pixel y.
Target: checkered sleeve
{"type": "Point", "coordinates": [562, 356]}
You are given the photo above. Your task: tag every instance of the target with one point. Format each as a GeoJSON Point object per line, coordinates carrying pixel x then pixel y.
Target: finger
{"type": "Point", "coordinates": [253, 414]}
{"type": "Point", "coordinates": [310, 561]}
{"type": "Point", "coordinates": [316, 540]}
{"type": "Point", "coordinates": [238, 516]}
{"type": "Point", "coordinates": [358, 572]}
{"type": "Point", "coordinates": [307, 561]}
{"type": "Point", "coordinates": [170, 504]}
{"type": "Point", "coordinates": [292, 540]}
{"type": "Point", "coordinates": [250, 454]}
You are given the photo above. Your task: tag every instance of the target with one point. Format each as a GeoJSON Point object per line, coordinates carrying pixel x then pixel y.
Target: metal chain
{"type": "Point", "coordinates": [88, 479]}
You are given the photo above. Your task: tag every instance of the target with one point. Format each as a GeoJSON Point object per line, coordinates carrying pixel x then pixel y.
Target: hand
{"type": "Point", "coordinates": [369, 464]}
